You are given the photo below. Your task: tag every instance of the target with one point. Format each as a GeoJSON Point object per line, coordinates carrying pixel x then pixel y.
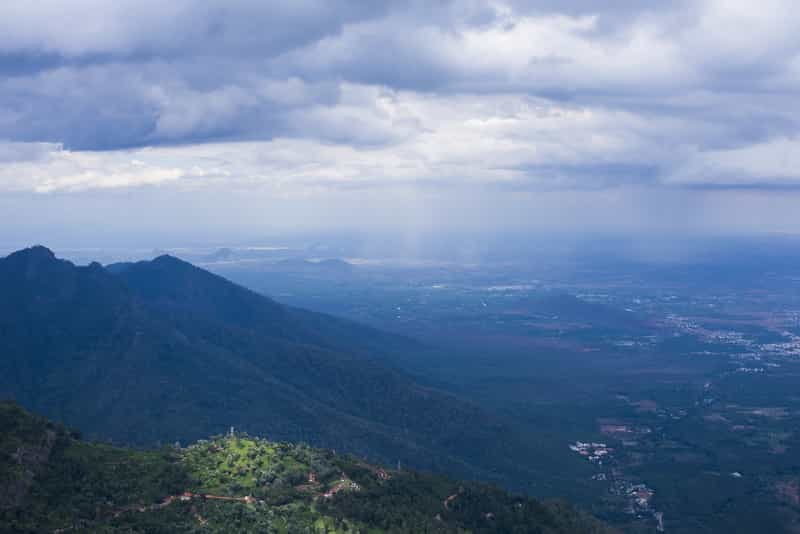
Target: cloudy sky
{"type": "Point", "coordinates": [234, 117]}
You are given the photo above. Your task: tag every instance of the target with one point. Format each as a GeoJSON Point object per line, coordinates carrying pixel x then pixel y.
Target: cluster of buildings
{"type": "Point", "coordinates": [636, 496]}
{"type": "Point", "coordinates": [639, 495]}
{"type": "Point", "coordinates": [791, 347]}
{"type": "Point", "coordinates": [344, 484]}
{"type": "Point", "coordinates": [638, 499]}
{"type": "Point", "coordinates": [592, 451]}
{"type": "Point", "coordinates": [750, 370]}
{"type": "Point", "coordinates": [620, 428]}
{"type": "Point", "coordinates": [754, 358]}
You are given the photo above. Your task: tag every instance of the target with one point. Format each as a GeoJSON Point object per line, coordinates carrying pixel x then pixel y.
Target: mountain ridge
{"type": "Point", "coordinates": [164, 351]}
{"type": "Point", "coordinates": [51, 480]}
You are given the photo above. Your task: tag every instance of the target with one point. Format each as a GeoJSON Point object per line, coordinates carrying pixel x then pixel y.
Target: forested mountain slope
{"type": "Point", "coordinates": [52, 481]}
{"type": "Point", "coordinates": [162, 351]}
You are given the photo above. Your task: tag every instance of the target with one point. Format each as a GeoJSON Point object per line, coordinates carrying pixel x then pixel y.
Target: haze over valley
{"type": "Point", "coordinates": [351, 267]}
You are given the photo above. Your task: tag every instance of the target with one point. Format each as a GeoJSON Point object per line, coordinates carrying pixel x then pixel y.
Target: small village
{"type": "Point", "coordinates": [755, 351]}
{"type": "Point", "coordinates": [636, 495]}
{"type": "Point", "coordinates": [592, 451]}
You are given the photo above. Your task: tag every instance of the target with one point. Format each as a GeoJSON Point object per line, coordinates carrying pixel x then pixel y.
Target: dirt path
{"type": "Point", "coordinates": [344, 483]}
{"type": "Point", "coordinates": [183, 497]}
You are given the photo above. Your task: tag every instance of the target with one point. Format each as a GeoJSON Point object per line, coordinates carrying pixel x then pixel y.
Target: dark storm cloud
{"type": "Point", "coordinates": [92, 76]}
{"type": "Point", "coordinates": [26, 63]}
{"type": "Point", "coordinates": [677, 86]}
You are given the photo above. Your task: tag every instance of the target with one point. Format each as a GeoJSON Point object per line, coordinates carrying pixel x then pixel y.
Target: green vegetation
{"type": "Point", "coordinates": [239, 483]}
{"type": "Point", "coordinates": [159, 351]}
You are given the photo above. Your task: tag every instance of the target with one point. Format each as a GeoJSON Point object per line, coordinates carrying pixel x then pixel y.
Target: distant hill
{"type": "Point", "coordinates": [301, 266]}
{"type": "Point", "coordinates": [569, 308]}
{"type": "Point", "coordinates": [159, 351]}
{"type": "Point", "coordinates": [52, 481]}
{"type": "Point", "coordinates": [222, 254]}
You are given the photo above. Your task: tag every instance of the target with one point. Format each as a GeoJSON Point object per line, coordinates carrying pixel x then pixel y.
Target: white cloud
{"type": "Point", "coordinates": [769, 164]}
{"type": "Point", "coordinates": [46, 168]}
{"type": "Point", "coordinates": [308, 97]}
{"type": "Point", "coordinates": [511, 141]}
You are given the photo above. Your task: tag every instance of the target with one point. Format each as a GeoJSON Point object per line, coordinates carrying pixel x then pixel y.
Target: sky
{"type": "Point", "coordinates": [229, 119]}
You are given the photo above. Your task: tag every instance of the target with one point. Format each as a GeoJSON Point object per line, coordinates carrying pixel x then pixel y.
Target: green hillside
{"type": "Point", "coordinates": [51, 481]}
{"type": "Point", "coordinates": [159, 351]}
